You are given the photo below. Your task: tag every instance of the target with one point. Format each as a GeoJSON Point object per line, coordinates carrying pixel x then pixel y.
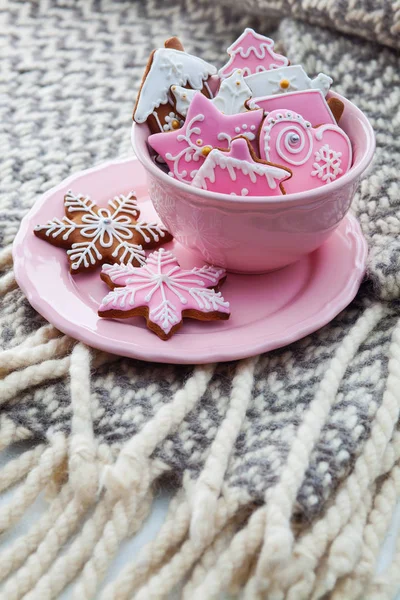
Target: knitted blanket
{"type": "Point", "coordinates": [286, 465]}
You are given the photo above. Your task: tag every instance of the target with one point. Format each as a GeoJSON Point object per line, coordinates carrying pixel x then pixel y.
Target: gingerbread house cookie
{"type": "Point", "coordinates": [169, 66]}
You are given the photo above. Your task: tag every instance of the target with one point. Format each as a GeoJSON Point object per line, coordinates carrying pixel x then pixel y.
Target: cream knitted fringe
{"type": "Point", "coordinates": [213, 539]}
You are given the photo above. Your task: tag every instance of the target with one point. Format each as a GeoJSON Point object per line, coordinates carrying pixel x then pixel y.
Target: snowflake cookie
{"type": "Point", "coordinates": [93, 235]}
{"type": "Point", "coordinates": [163, 293]}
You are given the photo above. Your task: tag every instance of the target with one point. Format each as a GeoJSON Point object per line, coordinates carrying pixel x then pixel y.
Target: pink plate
{"type": "Point", "coordinates": [268, 311]}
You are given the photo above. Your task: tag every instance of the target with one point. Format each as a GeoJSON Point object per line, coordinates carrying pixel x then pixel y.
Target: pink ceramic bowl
{"type": "Point", "coordinates": [257, 234]}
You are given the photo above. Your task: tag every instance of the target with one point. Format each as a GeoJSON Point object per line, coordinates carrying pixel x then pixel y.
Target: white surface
{"type": "Point", "coordinates": [131, 548]}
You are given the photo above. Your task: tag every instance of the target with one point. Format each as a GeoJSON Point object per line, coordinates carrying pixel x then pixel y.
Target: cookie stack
{"type": "Point", "coordinates": [258, 127]}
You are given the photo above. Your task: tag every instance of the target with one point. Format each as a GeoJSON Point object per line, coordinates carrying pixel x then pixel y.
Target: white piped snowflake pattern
{"type": "Point", "coordinates": [327, 164]}
{"type": "Point", "coordinates": [167, 291]}
{"type": "Point", "coordinates": [93, 235]}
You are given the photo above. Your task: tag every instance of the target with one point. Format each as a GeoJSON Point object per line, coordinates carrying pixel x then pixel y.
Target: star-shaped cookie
{"type": "Point", "coordinates": [163, 293]}
{"type": "Point", "coordinates": [205, 128]}
{"type": "Point", "coordinates": [93, 235]}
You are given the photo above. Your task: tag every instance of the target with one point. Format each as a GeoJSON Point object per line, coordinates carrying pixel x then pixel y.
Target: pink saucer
{"type": "Point", "coordinates": [268, 311]}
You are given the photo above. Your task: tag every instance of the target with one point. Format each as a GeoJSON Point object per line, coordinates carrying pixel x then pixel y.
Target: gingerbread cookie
{"type": "Point", "coordinates": [166, 67]}
{"type": "Point", "coordinates": [252, 53]}
{"type": "Point", "coordinates": [316, 156]}
{"type": "Point", "coordinates": [205, 128]}
{"type": "Point", "coordinates": [310, 104]}
{"type": "Point", "coordinates": [239, 172]}
{"type": "Point", "coordinates": [230, 99]}
{"type": "Point", "coordinates": [285, 80]}
{"type": "Point", "coordinates": [163, 293]}
{"type": "Point", "coordinates": [93, 235]}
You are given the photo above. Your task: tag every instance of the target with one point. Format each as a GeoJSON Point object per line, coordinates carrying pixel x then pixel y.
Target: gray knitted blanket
{"type": "Point", "coordinates": [286, 466]}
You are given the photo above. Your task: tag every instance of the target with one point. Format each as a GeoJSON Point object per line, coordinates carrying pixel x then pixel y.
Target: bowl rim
{"type": "Point", "coordinates": [304, 196]}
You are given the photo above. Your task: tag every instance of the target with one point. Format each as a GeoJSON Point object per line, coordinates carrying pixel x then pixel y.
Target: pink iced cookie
{"type": "Point", "coordinates": [239, 173]}
{"type": "Point", "coordinates": [252, 53]}
{"type": "Point", "coordinates": [205, 128]}
{"type": "Point", "coordinates": [310, 104]}
{"type": "Point", "coordinates": [315, 156]}
{"type": "Point", "coordinates": [163, 293]}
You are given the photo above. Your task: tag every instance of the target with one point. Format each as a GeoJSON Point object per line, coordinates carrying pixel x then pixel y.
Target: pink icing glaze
{"type": "Point", "coordinates": [165, 288]}
{"type": "Point", "coordinates": [252, 53]}
{"type": "Point", "coordinates": [205, 125]}
{"type": "Point", "coordinates": [310, 104]}
{"type": "Point", "coordinates": [315, 156]}
{"type": "Point", "coordinates": [236, 173]}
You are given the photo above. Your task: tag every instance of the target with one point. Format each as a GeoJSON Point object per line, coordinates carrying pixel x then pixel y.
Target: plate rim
{"type": "Point", "coordinates": [328, 310]}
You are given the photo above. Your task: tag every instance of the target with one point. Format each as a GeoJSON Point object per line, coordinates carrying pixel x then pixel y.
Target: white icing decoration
{"type": "Point", "coordinates": [170, 67]}
{"type": "Point", "coordinates": [104, 227]}
{"type": "Point", "coordinates": [230, 98]}
{"type": "Point", "coordinates": [265, 48]}
{"type": "Point", "coordinates": [239, 130]}
{"type": "Point", "coordinates": [183, 97]}
{"type": "Point", "coordinates": [169, 120]}
{"type": "Point", "coordinates": [155, 115]}
{"type": "Point", "coordinates": [175, 283]}
{"type": "Point", "coordinates": [216, 158]}
{"type": "Point", "coordinates": [300, 128]}
{"type": "Point", "coordinates": [210, 94]}
{"type": "Point", "coordinates": [232, 94]}
{"type": "Point", "coordinates": [191, 152]}
{"type": "Point", "coordinates": [267, 83]}
{"type": "Point", "coordinates": [330, 167]}
{"type": "Point", "coordinates": [244, 192]}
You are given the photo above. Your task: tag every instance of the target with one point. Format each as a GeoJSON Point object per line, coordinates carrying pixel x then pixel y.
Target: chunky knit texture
{"type": "Point", "coordinates": [291, 457]}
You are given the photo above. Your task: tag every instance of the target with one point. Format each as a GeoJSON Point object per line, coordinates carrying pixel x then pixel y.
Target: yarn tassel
{"type": "Point", "coordinates": [66, 567]}
{"type": "Point", "coordinates": [17, 469]}
{"type": "Point", "coordinates": [11, 433]}
{"type": "Point", "coordinates": [6, 259]}
{"type": "Point", "coordinates": [83, 467]}
{"type": "Point", "coordinates": [46, 371]}
{"type": "Point", "coordinates": [208, 488]}
{"type": "Point", "coordinates": [16, 553]}
{"type": "Point", "coordinates": [27, 355]}
{"type": "Point", "coordinates": [38, 562]}
{"type": "Point", "coordinates": [7, 283]}
{"type": "Point", "coordinates": [36, 481]}
{"type": "Point", "coordinates": [174, 571]}
{"type": "Point", "coordinates": [130, 472]}
{"type": "Point", "coordinates": [126, 519]}
{"type": "Point", "coordinates": [280, 499]}
{"type": "Point", "coordinates": [170, 537]}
